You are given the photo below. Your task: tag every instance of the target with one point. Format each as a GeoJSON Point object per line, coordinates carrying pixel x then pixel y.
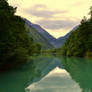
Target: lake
{"type": "Point", "coordinates": [49, 74]}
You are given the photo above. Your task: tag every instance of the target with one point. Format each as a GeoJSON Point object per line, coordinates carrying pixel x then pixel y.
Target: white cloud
{"type": "Point", "coordinates": [56, 13]}
{"type": "Point", "coordinates": [42, 11]}
{"type": "Point", "coordinates": [57, 24]}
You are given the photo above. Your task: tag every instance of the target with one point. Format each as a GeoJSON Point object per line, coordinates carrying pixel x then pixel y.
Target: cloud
{"type": "Point", "coordinates": [52, 19]}
{"type": "Point", "coordinates": [57, 24]}
{"type": "Point", "coordinates": [42, 11]}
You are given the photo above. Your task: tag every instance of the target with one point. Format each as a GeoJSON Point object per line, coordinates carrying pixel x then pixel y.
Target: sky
{"type": "Point", "coordinates": [57, 17]}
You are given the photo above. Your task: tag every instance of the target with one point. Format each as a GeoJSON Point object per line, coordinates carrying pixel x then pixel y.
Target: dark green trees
{"type": "Point", "coordinates": [80, 41]}
{"type": "Point", "coordinates": [90, 13]}
{"type": "Point", "coordinates": [15, 44]}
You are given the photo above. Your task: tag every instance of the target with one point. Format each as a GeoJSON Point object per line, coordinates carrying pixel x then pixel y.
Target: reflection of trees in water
{"type": "Point", "coordinates": [17, 80]}
{"type": "Point", "coordinates": [81, 71]}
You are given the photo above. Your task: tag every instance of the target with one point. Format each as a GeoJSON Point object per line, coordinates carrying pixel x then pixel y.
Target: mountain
{"type": "Point", "coordinates": [42, 32]}
{"type": "Point", "coordinates": [37, 35]}
{"type": "Point", "coordinates": [43, 37]}
{"type": "Point", "coordinates": [60, 41]}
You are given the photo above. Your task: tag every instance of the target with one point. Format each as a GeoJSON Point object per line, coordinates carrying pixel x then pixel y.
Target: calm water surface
{"type": "Point", "coordinates": [49, 74]}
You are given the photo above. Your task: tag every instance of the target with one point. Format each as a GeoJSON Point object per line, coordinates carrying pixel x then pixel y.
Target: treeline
{"type": "Point", "coordinates": [80, 41]}
{"type": "Point", "coordinates": [15, 44]}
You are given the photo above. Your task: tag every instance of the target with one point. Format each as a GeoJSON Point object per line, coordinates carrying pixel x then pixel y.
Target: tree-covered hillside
{"type": "Point", "coordinates": [15, 44]}
{"type": "Point", "coordinates": [80, 41]}
{"type": "Point", "coordinates": [38, 38]}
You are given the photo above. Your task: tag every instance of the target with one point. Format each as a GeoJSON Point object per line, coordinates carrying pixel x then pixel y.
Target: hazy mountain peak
{"type": "Point", "coordinates": [56, 43]}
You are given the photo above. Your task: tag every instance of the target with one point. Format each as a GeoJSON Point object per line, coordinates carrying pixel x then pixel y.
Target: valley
{"type": "Point", "coordinates": [39, 34]}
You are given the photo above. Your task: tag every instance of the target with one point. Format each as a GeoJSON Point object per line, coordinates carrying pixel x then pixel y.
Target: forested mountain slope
{"type": "Point", "coordinates": [43, 37]}
{"type": "Point", "coordinates": [80, 41]}
{"type": "Point", "coordinates": [15, 44]}
{"type": "Point", "coordinates": [38, 38]}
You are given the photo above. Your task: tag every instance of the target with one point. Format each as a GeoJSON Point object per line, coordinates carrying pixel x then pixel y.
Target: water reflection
{"type": "Point", "coordinates": [17, 80]}
{"type": "Point", "coordinates": [58, 80]}
{"type": "Point", "coordinates": [81, 71]}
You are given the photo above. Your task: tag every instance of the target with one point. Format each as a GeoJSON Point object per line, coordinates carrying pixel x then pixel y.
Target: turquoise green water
{"type": "Point", "coordinates": [49, 74]}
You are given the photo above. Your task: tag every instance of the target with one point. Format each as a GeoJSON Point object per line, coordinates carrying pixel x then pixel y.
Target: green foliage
{"type": "Point", "coordinates": [80, 41]}
{"type": "Point", "coordinates": [15, 44]}
{"type": "Point", "coordinates": [37, 37]}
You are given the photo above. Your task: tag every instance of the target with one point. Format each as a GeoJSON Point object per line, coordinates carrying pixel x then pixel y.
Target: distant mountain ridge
{"type": "Point", "coordinates": [53, 42]}
{"type": "Point", "coordinates": [37, 37]}
{"type": "Point", "coordinates": [43, 32]}
{"type": "Point", "coordinates": [60, 41]}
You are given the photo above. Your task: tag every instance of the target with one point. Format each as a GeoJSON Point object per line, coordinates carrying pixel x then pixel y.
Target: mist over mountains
{"type": "Point", "coordinates": [43, 37]}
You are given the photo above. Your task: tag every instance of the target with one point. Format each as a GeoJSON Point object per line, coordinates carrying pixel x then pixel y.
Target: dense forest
{"type": "Point", "coordinates": [15, 44]}
{"type": "Point", "coordinates": [80, 42]}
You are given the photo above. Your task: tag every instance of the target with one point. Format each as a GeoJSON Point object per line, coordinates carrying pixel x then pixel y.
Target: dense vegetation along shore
{"type": "Point", "coordinates": [80, 41]}
{"type": "Point", "coordinates": [15, 44]}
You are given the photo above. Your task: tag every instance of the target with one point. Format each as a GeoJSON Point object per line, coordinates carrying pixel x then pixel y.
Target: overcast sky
{"type": "Point", "coordinates": [58, 17]}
